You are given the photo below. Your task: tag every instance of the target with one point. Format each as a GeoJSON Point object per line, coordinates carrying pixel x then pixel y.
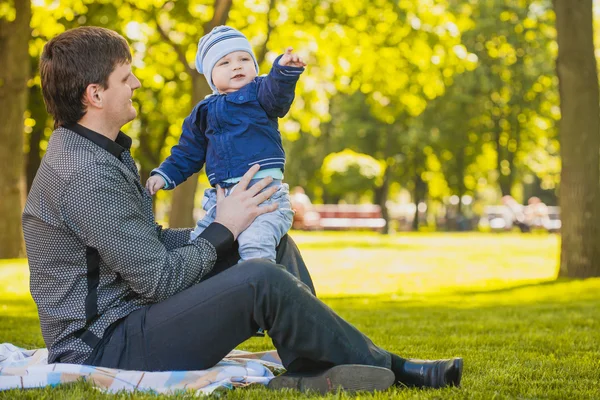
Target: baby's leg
{"type": "Point", "coordinates": [261, 238]}
{"type": "Point", "coordinates": [209, 204]}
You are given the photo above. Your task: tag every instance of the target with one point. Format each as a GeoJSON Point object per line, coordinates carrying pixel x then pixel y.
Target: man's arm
{"type": "Point", "coordinates": [276, 91]}
{"type": "Point", "coordinates": [116, 226]}
{"type": "Point", "coordinates": [173, 238]}
{"type": "Point", "coordinates": [188, 156]}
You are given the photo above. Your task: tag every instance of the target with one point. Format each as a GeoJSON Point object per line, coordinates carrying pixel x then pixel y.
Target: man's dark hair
{"type": "Point", "coordinates": [73, 60]}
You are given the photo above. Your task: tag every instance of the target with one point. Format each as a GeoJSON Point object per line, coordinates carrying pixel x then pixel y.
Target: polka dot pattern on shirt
{"type": "Point", "coordinates": [84, 199]}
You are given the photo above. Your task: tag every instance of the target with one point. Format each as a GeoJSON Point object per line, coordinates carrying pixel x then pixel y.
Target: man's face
{"type": "Point", "coordinates": [233, 72]}
{"type": "Point", "coordinates": [117, 97]}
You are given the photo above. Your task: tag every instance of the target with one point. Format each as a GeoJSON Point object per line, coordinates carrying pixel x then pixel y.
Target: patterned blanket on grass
{"type": "Point", "coordinates": [25, 369]}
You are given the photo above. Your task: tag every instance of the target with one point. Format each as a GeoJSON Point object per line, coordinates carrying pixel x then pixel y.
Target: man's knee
{"type": "Point", "coordinates": [265, 271]}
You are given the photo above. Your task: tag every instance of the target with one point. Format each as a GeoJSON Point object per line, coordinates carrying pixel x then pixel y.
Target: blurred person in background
{"type": "Point", "coordinates": [515, 213]}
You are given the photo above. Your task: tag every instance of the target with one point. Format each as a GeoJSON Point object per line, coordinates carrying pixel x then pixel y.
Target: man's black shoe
{"type": "Point", "coordinates": [350, 377]}
{"type": "Point", "coordinates": [432, 374]}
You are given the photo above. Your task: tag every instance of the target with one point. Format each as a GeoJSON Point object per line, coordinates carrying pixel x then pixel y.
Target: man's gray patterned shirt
{"type": "Point", "coordinates": [95, 252]}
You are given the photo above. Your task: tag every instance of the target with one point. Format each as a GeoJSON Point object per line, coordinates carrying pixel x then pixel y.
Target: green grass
{"type": "Point", "coordinates": [489, 298]}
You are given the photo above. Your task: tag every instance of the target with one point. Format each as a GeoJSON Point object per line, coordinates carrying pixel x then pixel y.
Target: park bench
{"type": "Point", "coordinates": [350, 216]}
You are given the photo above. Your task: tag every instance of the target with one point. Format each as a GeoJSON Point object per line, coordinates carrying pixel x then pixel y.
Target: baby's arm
{"type": "Point", "coordinates": [187, 156]}
{"type": "Point", "coordinates": [155, 183]}
{"type": "Point", "coordinates": [291, 59]}
{"type": "Point", "coordinates": [276, 90]}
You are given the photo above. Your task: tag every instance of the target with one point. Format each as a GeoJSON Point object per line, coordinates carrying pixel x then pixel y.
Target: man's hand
{"type": "Point", "coordinates": [237, 211]}
{"type": "Point", "coordinates": [291, 59]}
{"type": "Point", "coordinates": [155, 183]}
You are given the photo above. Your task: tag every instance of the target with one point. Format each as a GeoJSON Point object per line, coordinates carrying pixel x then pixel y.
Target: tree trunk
{"type": "Point", "coordinates": [510, 157]}
{"type": "Point", "coordinates": [182, 204]}
{"type": "Point", "coordinates": [579, 131]}
{"type": "Point", "coordinates": [382, 194]}
{"type": "Point", "coordinates": [420, 189]}
{"type": "Point", "coordinates": [460, 184]}
{"type": "Point", "coordinates": [418, 194]}
{"type": "Point", "coordinates": [14, 72]}
{"type": "Point", "coordinates": [503, 180]}
{"type": "Point", "coordinates": [34, 158]}
{"type": "Point", "coordinates": [38, 112]}
{"type": "Point", "coordinates": [416, 199]}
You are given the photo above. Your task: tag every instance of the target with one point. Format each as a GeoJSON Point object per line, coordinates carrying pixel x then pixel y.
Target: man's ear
{"type": "Point", "coordinates": [93, 95]}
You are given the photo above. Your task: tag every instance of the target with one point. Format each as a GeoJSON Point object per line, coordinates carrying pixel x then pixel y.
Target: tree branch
{"type": "Point", "coordinates": [263, 50]}
{"type": "Point", "coordinates": [175, 46]}
{"type": "Point", "coordinates": [220, 15]}
{"type": "Point", "coordinates": [178, 50]}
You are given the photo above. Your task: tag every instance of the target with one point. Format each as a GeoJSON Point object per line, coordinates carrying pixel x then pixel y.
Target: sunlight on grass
{"type": "Point", "coordinates": [399, 267]}
{"type": "Point", "coordinates": [345, 264]}
{"type": "Point", "coordinates": [491, 299]}
{"type": "Point", "coordinates": [14, 276]}
{"type": "Point", "coordinates": [365, 263]}
{"type": "Point", "coordinates": [403, 267]}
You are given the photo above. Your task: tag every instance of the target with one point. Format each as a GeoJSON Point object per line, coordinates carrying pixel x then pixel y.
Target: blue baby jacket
{"type": "Point", "coordinates": [231, 132]}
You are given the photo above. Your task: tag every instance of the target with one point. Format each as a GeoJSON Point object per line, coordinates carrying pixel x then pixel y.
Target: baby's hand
{"type": "Point", "coordinates": [291, 59]}
{"type": "Point", "coordinates": [154, 184]}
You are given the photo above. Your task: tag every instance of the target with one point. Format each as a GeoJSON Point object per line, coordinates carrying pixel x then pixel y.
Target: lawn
{"type": "Point", "coordinates": [489, 298]}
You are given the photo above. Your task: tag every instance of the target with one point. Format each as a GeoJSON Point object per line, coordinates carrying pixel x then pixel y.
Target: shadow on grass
{"type": "Point", "coordinates": [406, 298]}
{"type": "Point", "coordinates": [540, 284]}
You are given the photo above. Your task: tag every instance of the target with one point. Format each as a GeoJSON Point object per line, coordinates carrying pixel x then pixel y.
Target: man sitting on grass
{"type": "Point", "coordinates": [114, 289]}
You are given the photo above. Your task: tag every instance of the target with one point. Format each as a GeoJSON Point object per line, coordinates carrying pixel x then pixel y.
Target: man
{"type": "Point", "coordinates": [114, 289]}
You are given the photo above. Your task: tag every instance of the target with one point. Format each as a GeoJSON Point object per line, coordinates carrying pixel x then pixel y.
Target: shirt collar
{"type": "Point", "coordinates": [114, 147]}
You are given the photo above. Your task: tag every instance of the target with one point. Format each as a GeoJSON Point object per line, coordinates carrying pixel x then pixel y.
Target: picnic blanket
{"type": "Point", "coordinates": [25, 369]}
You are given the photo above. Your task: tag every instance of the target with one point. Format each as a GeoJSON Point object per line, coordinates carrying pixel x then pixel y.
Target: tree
{"type": "Point", "coordinates": [513, 88]}
{"type": "Point", "coordinates": [46, 22]}
{"type": "Point", "coordinates": [400, 66]}
{"type": "Point", "coordinates": [454, 97]}
{"type": "Point", "coordinates": [14, 59]}
{"type": "Point", "coordinates": [176, 27]}
{"type": "Point", "coordinates": [182, 205]}
{"type": "Point", "coordinates": [579, 129]}
{"type": "Point", "coordinates": [350, 174]}
{"type": "Point", "coordinates": [35, 127]}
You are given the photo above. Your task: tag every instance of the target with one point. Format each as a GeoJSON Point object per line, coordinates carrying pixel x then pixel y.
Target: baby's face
{"type": "Point", "coordinates": [233, 72]}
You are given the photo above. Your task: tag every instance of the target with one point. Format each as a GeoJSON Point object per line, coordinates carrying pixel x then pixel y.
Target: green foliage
{"type": "Point", "coordinates": [495, 124]}
{"type": "Point", "coordinates": [451, 97]}
{"type": "Point", "coordinates": [7, 11]}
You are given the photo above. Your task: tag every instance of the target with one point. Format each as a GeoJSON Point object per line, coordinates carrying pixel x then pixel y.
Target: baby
{"type": "Point", "coordinates": [233, 129]}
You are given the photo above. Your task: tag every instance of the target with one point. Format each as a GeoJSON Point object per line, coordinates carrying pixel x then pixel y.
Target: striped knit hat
{"type": "Point", "coordinates": [221, 41]}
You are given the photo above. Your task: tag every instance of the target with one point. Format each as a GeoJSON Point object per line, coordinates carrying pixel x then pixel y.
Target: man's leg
{"type": "Point", "coordinates": [288, 256]}
{"type": "Point", "coordinates": [195, 328]}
